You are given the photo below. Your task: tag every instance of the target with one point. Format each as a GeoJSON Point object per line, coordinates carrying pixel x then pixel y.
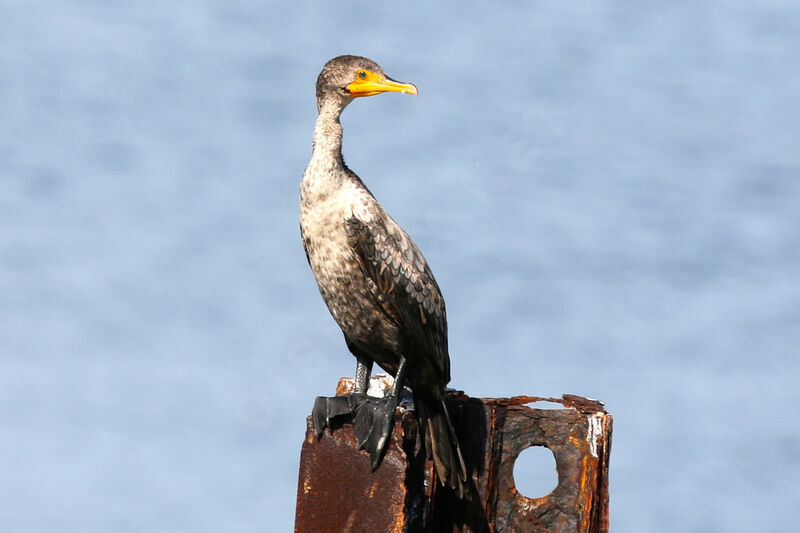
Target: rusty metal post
{"type": "Point", "coordinates": [338, 492]}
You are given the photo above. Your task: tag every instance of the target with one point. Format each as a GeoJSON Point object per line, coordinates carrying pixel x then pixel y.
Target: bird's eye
{"type": "Point", "coordinates": [362, 74]}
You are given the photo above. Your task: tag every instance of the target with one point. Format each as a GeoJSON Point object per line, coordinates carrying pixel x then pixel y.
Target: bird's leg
{"type": "Point", "coordinates": [374, 419]}
{"type": "Point", "coordinates": [363, 373]}
{"type": "Point", "coordinates": [328, 408]}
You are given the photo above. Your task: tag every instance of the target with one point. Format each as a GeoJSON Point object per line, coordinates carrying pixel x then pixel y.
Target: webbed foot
{"type": "Point", "coordinates": [373, 418]}
{"type": "Point", "coordinates": [373, 424]}
{"type": "Point", "coordinates": [328, 409]}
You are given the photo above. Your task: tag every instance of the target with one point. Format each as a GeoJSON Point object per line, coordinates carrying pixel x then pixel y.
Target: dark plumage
{"type": "Point", "coordinates": [374, 280]}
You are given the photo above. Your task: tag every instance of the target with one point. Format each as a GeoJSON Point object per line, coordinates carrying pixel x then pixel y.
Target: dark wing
{"type": "Point", "coordinates": [403, 285]}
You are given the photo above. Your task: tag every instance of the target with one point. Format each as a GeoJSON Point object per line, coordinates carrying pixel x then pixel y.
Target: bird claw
{"type": "Point", "coordinates": [373, 423]}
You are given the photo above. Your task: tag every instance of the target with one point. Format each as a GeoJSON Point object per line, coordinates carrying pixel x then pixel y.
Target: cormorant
{"type": "Point", "coordinates": [376, 284]}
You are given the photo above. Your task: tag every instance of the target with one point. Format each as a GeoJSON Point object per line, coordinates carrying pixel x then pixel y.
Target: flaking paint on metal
{"type": "Point", "coordinates": [595, 430]}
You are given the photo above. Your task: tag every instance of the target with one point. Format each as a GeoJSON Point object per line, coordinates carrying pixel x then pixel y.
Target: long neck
{"type": "Point", "coordinates": [328, 135]}
{"type": "Point", "coordinates": [326, 170]}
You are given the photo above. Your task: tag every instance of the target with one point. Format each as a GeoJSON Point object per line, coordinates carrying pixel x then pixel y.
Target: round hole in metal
{"type": "Point", "coordinates": [535, 472]}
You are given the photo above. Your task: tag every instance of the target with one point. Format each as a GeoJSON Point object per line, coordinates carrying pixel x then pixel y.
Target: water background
{"type": "Point", "coordinates": [609, 195]}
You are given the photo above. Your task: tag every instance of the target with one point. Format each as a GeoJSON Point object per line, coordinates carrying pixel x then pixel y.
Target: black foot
{"type": "Point", "coordinates": [327, 409]}
{"type": "Point", "coordinates": [373, 422]}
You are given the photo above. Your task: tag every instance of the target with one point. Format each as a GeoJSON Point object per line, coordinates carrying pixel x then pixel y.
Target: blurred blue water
{"type": "Point", "coordinates": [608, 195]}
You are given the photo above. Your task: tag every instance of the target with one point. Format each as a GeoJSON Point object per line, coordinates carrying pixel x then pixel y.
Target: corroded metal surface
{"type": "Point", "coordinates": [337, 491]}
{"type": "Point", "coordinates": [578, 442]}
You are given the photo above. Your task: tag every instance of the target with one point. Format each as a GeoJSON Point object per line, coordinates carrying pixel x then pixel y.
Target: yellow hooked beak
{"type": "Point", "coordinates": [368, 83]}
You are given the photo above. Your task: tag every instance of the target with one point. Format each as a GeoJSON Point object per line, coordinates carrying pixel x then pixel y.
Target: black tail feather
{"type": "Point", "coordinates": [442, 445]}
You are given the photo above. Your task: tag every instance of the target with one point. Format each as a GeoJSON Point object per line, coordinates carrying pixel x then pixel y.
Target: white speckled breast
{"type": "Point", "coordinates": [327, 198]}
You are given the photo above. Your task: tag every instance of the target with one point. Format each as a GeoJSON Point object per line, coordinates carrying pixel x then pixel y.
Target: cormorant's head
{"type": "Point", "coordinates": [346, 77]}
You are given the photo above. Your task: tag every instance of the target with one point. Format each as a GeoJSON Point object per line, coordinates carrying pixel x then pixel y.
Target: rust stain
{"type": "Point", "coordinates": [584, 473]}
{"type": "Point", "coordinates": [398, 525]}
{"type": "Point", "coordinates": [351, 521]}
{"type": "Point", "coordinates": [586, 511]}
